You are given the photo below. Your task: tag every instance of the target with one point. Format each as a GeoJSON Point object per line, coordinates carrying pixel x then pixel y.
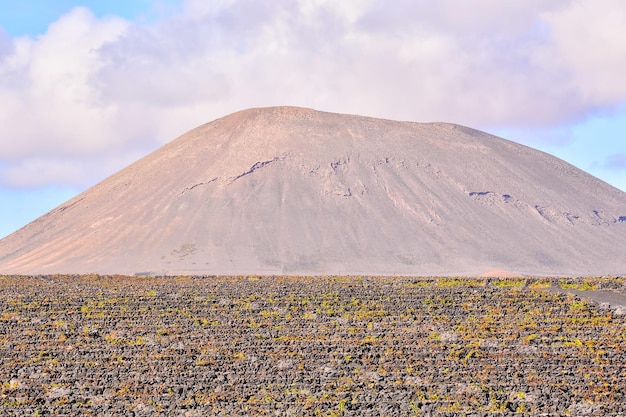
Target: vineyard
{"type": "Point", "coordinates": [295, 346]}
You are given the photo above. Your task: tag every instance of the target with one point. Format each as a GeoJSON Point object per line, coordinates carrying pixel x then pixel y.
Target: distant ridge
{"type": "Point", "coordinates": [286, 190]}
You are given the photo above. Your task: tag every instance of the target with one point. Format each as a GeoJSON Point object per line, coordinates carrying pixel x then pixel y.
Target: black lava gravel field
{"type": "Point", "coordinates": [309, 346]}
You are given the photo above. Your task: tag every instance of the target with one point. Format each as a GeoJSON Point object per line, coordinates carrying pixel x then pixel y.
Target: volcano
{"type": "Point", "coordinates": [286, 190]}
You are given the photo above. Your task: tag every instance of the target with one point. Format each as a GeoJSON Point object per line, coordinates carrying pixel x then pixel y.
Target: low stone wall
{"type": "Point", "coordinates": [93, 345]}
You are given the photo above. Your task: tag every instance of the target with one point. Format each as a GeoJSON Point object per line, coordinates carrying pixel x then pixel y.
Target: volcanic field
{"type": "Point", "coordinates": [300, 346]}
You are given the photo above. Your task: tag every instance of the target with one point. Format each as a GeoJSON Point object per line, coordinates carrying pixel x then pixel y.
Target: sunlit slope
{"type": "Point", "coordinates": [297, 191]}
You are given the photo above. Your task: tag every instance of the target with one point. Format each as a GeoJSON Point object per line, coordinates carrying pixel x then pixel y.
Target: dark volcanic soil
{"type": "Point", "coordinates": [308, 346]}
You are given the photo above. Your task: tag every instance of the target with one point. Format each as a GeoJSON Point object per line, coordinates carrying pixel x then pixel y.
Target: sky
{"type": "Point", "coordinates": [88, 87]}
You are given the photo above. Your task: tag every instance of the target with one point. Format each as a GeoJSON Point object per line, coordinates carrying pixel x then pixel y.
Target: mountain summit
{"type": "Point", "coordinates": [287, 190]}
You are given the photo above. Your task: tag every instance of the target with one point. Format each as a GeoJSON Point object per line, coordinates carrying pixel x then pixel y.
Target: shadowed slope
{"type": "Point", "coordinates": [290, 190]}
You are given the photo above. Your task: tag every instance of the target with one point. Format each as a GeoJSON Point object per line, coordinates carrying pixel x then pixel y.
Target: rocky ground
{"type": "Point", "coordinates": [112, 345]}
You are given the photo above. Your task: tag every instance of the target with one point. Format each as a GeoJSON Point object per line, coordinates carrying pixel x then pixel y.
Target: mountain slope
{"type": "Point", "coordinates": [291, 190]}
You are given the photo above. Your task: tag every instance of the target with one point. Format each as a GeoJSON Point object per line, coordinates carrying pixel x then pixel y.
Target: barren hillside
{"type": "Point", "coordinates": [297, 191]}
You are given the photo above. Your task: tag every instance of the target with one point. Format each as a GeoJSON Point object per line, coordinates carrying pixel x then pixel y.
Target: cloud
{"type": "Point", "coordinates": [98, 89]}
{"type": "Point", "coordinates": [547, 138]}
{"type": "Point", "coordinates": [616, 162]}
{"type": "Point", "coordinates": [413, 60]}
{"type": "Point", "coordinates": [6, 46]}
{"type": "Point", "coordinates": [49, 102]}
{"type": "Point", "coordinates": [32, 172]}
{"type": "Point", "coordinates": [588, 45]}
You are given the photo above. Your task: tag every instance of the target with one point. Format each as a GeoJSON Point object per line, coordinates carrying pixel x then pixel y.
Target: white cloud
{"type": "Point", "coordinates": [6, 46]}
{"type": "Point", "coordinates": [48, 96]}
{"type": "Point", "coordinates": [101, 88]}
{"type": "Point", "coordinates": [30, 172]}
{"type": "Point", "coordinates": [588, 43]}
